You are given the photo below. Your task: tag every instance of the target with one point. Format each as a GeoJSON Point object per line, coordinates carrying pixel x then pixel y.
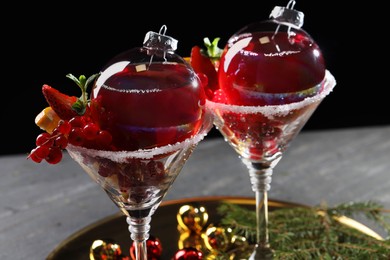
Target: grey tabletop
{"type": "Point", "coordinates": [42, 204]}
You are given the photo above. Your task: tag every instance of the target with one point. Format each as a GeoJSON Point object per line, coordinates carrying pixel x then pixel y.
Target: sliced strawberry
{"type": "Point", "coordinates": [203, 65]}
{"type": "Point", "coordinates": [59, 102]}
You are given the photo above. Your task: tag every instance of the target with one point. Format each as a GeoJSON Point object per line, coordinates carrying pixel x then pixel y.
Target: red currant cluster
{"type": "Point", "coordinates": [79, 131]}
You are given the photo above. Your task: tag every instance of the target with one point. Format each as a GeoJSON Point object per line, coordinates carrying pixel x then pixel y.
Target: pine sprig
{"type": "Point", "coordinates": [313, 232]}
{"type": "Point", "coordinates": [239, 220]}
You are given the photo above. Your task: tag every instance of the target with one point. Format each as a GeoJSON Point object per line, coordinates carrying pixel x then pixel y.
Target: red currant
{"type": "Point", "coordinates": [42, 151]}
{"type": "Point", "coordinates": [77, 121]}
{"type": "Point", "coordinates": [76, 136]}
{"type": "Point", "coordinates": [44, 139]}
{"type": "Point", "coordinates": [61, 142]}
{"type": "Point", "coordinates": [91, 131]}
{"type": "Point", "coordinates": [54, 156]}
{"type": "Point", "coordinates": [34, 157]}
{"type": "Point", "coordinates": [63, 127]}
{"type": "Point", "coordinates": [104, 138]}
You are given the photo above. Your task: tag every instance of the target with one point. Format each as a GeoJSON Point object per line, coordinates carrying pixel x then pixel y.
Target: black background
{"type": "Point", "coordinates": [41, 44]}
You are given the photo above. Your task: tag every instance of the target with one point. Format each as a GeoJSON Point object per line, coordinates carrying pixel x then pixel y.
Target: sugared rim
{"type": "Point", "coordinates": [123, 156]}
{"type": "Point", "coordinates": [271, 110]}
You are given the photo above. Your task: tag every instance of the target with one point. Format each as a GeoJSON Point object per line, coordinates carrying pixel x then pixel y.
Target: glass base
{"type": "Point", "coordinates": [262, 253]}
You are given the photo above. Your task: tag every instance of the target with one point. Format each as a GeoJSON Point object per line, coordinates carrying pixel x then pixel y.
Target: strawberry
{"type": "Point", "coordinates": [59, 102]}
{"type": "Point", "coordinates": [67, 107]}
{"type": "Point", "coordinates": [205, 63]}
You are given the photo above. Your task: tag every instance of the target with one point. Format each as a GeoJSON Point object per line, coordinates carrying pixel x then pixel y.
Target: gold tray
{"type": "Point", "coordinates": [164, 226]}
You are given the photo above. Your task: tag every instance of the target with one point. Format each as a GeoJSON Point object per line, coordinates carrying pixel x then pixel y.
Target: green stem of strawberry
{"type": "Point", "coordinates": [82, 102]}
{"type": "Point", "coordinates": [212, 49]}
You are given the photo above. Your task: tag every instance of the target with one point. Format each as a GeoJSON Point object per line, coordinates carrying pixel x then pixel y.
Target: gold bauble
{"type": "Point", "coordinates": [192, 217]}
{"type": "Point", "coordinates": [104, 250]}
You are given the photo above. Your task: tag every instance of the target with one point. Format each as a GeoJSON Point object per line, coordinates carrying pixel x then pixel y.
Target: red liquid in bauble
{"type": "Point", "coordinates": [148, 105]}
{"type": "Point", "coordinates": [267, 68]}
{"type": "Point", "coordinates": [260, 63]}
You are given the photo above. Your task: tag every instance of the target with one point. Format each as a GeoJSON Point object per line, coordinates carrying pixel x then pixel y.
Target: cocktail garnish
{"type": "Point", "coordinates": [66, 120]}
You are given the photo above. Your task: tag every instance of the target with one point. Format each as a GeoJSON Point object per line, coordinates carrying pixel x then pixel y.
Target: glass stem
{"type": "Point", "coordinates": [261, 184]}
{"type": "Point", "coordinates": [260, 174]}
{"type": "Point", "coordinates": [262, 237]}
{"type": "Point", "coordinates": [139, 229]}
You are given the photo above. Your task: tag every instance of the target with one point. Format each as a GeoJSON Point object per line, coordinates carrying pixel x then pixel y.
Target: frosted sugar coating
{"type": "Point", "coordinates": [278, 110]}
{"type": "Point", "coordinates": [123, 156]}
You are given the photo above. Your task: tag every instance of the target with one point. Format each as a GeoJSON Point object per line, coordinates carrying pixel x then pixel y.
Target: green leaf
{"type": "Point", "coordinates": [91, 79]}
{"type": "Point", "coordinates": [73, 78]}
{"type": "Point", "coordinates": [212, 49]}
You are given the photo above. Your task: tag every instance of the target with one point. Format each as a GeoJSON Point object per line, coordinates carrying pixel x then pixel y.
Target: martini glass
{"type": "Point", "coordinates": [151, 102]}
{"type": "Point", "coordinates": [137, 181]}
{"type": "Point", "coordinates": [260, 135]}
{"type": "Point", "coordinates": [272, 77]}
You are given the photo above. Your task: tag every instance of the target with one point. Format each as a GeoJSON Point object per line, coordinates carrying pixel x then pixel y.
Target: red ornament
{"type": "Point", "coordinates": [157, 83]}
{"type": "Point", "coordinates": [188, 253]}
{"type": "Point", "coordinates": [273, 56]}
{"type": "Point", "coordinates": [153, 247]}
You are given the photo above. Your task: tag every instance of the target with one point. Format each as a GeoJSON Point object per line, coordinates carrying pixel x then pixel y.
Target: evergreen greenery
{"type": "Point", "coordinates": [314, 232]}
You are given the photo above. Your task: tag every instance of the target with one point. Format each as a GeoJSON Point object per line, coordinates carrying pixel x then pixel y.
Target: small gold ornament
{"type": "Point", "coordinates": [217, 238]}
{"type": "Point", "coordinates": [213, 241]}
{"type": "Point", "coordinates": [192, 217]}
{"type": "Point", "coordinates": [192, 220]}
{"type": "Point", "coordinates": [105, 250]}
{"type": "Point", "coordinates": [221, 240]}
{"type": "Point", "coordinates": [189, 239]}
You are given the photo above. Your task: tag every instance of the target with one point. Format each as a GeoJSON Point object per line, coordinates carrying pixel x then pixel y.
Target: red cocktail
{"type": "Point", "coordinates": [149, 107]}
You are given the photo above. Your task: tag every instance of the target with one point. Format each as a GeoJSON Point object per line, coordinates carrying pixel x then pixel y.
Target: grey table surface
{"type": "Point", "coordinates": [42, 204]}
